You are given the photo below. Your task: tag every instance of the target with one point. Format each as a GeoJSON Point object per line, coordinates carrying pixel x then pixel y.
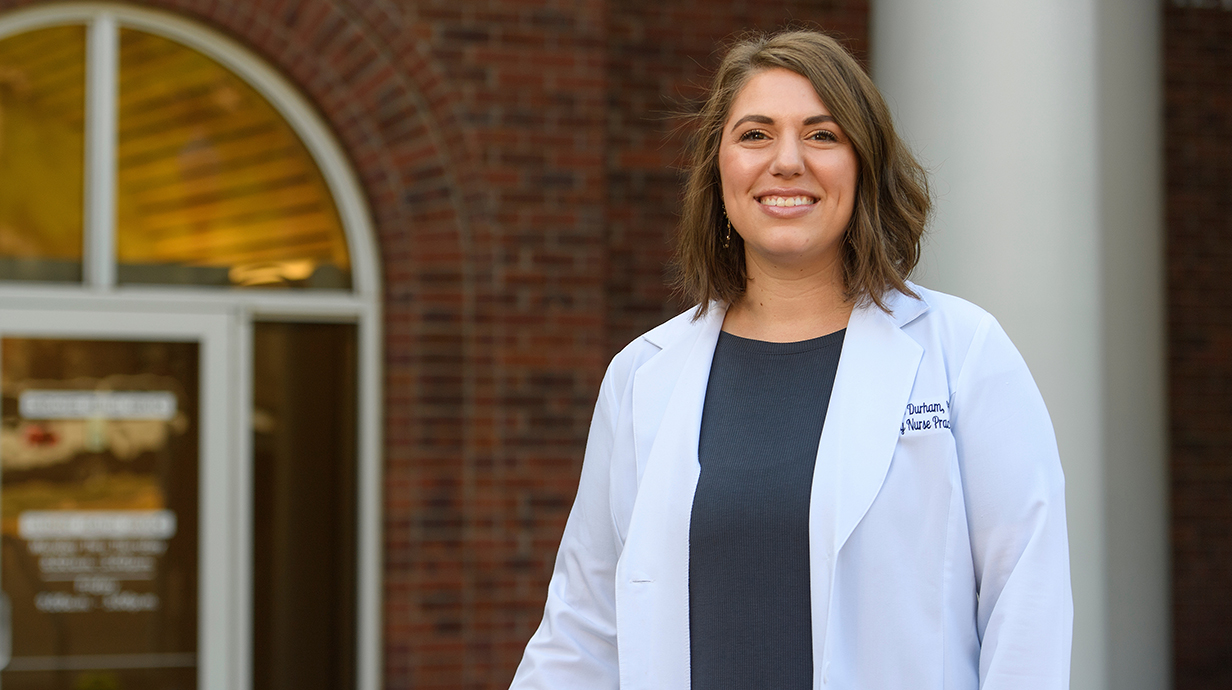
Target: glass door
{"type": "Point", "coordinates": [107, 422]}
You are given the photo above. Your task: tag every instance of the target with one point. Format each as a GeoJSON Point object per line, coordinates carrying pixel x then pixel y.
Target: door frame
{"type": "Point", "coordinates": [221, 623]}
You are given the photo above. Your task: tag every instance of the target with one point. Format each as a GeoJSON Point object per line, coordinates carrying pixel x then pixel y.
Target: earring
{"type": "Point", "coordinates": [727, 239]}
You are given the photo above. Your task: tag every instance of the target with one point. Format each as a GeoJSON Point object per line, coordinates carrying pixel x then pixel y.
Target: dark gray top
{"type": "Point", "coordinates": [749, 611]}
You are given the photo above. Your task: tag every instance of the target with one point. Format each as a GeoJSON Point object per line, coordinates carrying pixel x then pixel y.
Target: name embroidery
{"type": "Point", "coordinates": [925, 416]}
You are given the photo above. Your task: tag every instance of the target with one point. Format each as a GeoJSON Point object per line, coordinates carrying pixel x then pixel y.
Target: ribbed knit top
{"type": "Point", "coordinates": [749, 604]}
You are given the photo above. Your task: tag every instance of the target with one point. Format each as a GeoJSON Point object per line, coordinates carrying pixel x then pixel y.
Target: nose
{"type": "Point", "coordinates": [788, 161]}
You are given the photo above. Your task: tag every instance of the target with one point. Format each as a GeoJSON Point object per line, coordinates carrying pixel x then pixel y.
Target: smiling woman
{"type": "Point", "coordinates": [789, 186]}
{"type": "Point", "coordinates": [890, 204]}
{"type": "Point", "coordinates": [810, 480]}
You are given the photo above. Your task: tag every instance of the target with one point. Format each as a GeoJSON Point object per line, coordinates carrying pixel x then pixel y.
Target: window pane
{"type": "Point", "coordinates": [304, 506]}
{"type": "Point", "coordinates": [42, 130]}
{"type": "Point", "coordinates": [98, 512]}
{"type": "Point", "coordinates": [214, 187]}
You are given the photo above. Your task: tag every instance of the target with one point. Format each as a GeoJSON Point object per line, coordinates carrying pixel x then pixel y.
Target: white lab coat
{"type": "Point", "coordinates": [938, 551]}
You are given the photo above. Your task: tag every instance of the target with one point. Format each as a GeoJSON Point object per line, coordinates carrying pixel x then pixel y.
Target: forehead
{"type": "Point", "coordinates": [777, 93]}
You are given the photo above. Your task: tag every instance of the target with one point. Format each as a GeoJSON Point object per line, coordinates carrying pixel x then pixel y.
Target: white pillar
{"type": "Point", "coordinates": [1040, 122]}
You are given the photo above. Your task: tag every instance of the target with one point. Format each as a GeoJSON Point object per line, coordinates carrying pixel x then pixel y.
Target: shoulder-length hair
{"type": "Point", "coordinates": [881, 244]}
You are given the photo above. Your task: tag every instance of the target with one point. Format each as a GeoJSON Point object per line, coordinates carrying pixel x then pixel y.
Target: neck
{"type": "Point", "coordinates": [789, 305]}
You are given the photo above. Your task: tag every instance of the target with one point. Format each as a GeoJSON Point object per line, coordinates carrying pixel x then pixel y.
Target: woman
{"type": "Point", "coordinates": [823, 476]}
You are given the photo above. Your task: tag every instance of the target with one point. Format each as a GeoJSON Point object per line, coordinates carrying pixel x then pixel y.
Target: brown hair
{"type": "Point", "coordinates": [881, 244]}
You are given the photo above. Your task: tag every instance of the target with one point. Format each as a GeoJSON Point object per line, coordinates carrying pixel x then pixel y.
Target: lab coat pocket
{"type": "Point", "coordinates": [926, 459]}
{"type": "Point", "coordinates": [923, 473]}
{"type": "Point", "coordinates": [913, 507]}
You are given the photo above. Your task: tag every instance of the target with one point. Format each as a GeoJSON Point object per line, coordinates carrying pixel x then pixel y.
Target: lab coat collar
{"type": "Point", "coordinates": [875, 375]}
{"type": "Point", "coordinates": [652, 575]}
{"type": "Point", "coordinates": [876, 372]}
{"type": "Point", "coordinates": [872, 387]}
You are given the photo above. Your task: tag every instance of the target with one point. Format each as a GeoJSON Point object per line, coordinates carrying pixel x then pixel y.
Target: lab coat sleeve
{"type": "Point", "coordinates": [575, 645]}
{"type": "Point", "coordinates": [1015, 502]}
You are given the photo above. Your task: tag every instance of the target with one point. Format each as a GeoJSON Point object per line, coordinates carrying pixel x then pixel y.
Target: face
{"type": "Point", "coordinates": [788, 175]}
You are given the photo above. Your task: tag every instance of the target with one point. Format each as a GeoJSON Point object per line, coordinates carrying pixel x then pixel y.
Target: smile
{"type": "Point", "coordinates": [786, 201]}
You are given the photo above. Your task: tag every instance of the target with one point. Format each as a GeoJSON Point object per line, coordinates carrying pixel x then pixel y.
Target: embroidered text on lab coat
{"type": "Point", "coordinates": [925, 416]}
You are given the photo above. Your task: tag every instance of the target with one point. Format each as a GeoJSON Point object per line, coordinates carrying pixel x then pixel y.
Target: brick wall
{"type": "Point", "coordinates": [1198, 139]}
{"type": "Point", "coordinates": [518, 164]}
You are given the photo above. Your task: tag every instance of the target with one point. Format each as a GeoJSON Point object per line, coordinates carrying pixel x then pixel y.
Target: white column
{"type": "Point", "coordinates": [1040, 123]}
{"type": "Point", "coordinates": [1135, 390]}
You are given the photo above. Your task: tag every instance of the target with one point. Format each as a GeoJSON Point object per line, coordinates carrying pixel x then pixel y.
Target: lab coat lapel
{"type": "Point", "coordinates": [875, 376]}
{"type": "Point", "coordinates": [653, 573]}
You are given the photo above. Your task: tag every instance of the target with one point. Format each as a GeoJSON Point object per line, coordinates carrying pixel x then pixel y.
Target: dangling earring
{"type": "Point", "coordinates": [727, 239]}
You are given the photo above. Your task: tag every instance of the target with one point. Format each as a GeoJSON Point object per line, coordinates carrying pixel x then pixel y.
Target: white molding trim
{"type": "Point", "coordinates": [99, 216]}
{"type": "Point", "coordinates": [369, 632]}
{"type": "Point", "coordinates": [361, 305]}
{"type": "Point", "coordinates": [241, 494]}
{"type": "Point", "coordinates": [264, 305]}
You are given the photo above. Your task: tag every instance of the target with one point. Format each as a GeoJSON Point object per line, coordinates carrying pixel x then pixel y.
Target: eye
{"type": "Point", "coordinates": [823, 135]}
{"type": "Point", "coordinates": [753, 135]}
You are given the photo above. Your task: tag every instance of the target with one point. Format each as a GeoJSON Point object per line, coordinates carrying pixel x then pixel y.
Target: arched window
{"type": "Point", "coordinates": [189, 364]}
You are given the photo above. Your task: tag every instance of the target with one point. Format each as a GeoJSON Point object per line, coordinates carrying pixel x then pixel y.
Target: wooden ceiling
{"type": "Point", "coordinates": [42, 133]}
{"type": "Point", "coordinates": [209, 175]}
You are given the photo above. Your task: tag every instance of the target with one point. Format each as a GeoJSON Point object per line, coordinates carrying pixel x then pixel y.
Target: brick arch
{"type": "Point", "coordinates": [389, 108]}
{"type": "Point", "coordinates": [395, 116]}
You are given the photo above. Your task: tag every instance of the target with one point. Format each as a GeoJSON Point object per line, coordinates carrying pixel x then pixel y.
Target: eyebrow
{"type": "Point", "coordinates": [763, 120]}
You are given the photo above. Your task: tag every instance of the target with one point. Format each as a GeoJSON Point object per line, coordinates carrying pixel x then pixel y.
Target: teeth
{"type": "Point", "coordinates": [786, 200]}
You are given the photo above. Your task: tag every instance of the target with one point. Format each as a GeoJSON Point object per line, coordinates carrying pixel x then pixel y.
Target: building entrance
{"type": "Point", "coordinates": [109, 525]}
{"type": "Point", "coordinates": [190, 367]}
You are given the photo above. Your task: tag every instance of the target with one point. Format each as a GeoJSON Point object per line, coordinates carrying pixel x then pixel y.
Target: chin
{"type": "Point", "coordinates": [793, 252]}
